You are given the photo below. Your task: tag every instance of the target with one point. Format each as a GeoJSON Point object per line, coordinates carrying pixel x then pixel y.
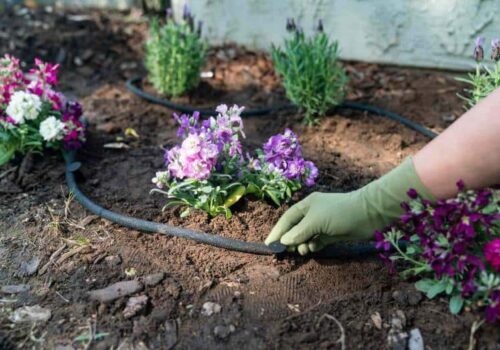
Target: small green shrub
{"type": "Point", "coordinates": [484, 80]}
{"type": "Point", "coordinates": [313, 78]}
{"type": "Point", "coordinates": [175, 54]}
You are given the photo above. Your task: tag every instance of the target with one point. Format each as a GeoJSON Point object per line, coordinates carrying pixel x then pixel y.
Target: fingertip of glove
{"type": "Point", "coordinates": [303, 249]}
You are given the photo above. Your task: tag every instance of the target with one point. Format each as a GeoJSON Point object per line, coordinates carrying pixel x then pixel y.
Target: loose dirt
{"type": "Point", "coordinates": [265, 303]}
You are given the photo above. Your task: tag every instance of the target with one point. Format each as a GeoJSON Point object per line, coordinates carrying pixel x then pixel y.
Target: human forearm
{"type": "Point", "coordinates": [468, 150]}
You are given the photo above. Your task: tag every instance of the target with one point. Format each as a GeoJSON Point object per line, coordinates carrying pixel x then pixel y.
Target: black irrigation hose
{"type": "Point", "coordinates": [134, 86]}
{"type": "Point", "coordinates": [153, 227]}
{"type": "Point", "coordinates": [393, 116]}
{"type": "Point", "coordinates": [338, 250]}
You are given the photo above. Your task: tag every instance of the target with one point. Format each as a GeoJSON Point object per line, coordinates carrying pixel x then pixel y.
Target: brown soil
{"type": "Point", "coordinates": [266, 303]}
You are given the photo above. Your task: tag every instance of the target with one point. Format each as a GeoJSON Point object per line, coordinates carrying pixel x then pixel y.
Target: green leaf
{"type": "Point", "coordinates": [424, 285]}
{"type": "Point", "coordinates": [449, 287]}
{"type": "Point", "coordinates": [235, 196]}
{"type": "Point", "coordinates": [273, 197]}
{"type": "Point", "coordinates": [410, 250]}
{"type": "Point", "coordinates": [456, 304]}
{"type": "Point", "coordinates": [443, 241]}
{"type": "Point", "coordinates": [185, 212]}
{"type": "Point", "coordinates": [436, 289]}
{"type": "Point", "coordinates": [252, 188]}
{"type": "Point", "coordinates": [6, 154]}
{"type": "Point", "coordinates": [414, 238]}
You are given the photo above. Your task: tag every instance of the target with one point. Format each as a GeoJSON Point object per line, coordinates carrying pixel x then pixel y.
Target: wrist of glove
{"type": "Point", "coordinates": [322, 219]}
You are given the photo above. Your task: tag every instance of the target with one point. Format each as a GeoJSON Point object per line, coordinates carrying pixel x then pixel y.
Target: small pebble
{"type": "Point", "coordinates": [210, 308]}
{"type": "Point", "coordinates": [222, 332]}
{"type": "Point", "coordinates": [15, 289]}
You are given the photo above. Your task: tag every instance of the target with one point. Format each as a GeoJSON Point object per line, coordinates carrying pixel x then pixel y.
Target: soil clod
{"type": "Point", "coordinates": [116, 291]}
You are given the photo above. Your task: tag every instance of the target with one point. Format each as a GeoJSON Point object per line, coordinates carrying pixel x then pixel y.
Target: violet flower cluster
{"type": "Point", "coordinates": [283, 154]}
{"type": "Point", "coordinates": [33, 115]}
{"type": "Point", "coordinates": [208, 170]}
{"type": "Point", "coordinates": [454, 244]}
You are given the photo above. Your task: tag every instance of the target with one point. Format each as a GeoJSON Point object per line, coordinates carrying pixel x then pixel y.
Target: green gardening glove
{"type": "Point", "coordinates": [325, 218]}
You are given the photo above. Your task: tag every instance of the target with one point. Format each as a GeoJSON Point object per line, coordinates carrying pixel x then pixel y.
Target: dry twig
{"type": "Point", "coordinates": [473, 329]}
{"type": "Point", "coordinates": [341, 340]}
{"type": "Point", "coordinates": [51, 259]}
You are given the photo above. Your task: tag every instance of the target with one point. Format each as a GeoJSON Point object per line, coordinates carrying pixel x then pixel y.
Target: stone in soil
{"type": "Point", "coordinates": [15, 289]}
{"type": "Point", "coordinates": [34, 313]}
{"type": "Point", "coordinates": [209, 308]}
{"type": "Point", "coordinates": [135, 305]}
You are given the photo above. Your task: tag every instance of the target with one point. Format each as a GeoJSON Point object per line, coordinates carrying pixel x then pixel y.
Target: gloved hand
{"type": "Point", "coordinates": [325, 218]}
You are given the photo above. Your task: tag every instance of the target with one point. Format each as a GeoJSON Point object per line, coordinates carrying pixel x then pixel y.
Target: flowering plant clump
{"type": "Point", "coordinates": [453, 247]}
{"type": "Point", "coordinates": [32, 114]}
{"type": "Point", "coordinates": [175, 54]}
{"type": "Point", "coordinates": [313, 78]}
{"type": "Point", "coordinates": [208, 170]}
{"type": "Point", "coordinates": [484, 80]}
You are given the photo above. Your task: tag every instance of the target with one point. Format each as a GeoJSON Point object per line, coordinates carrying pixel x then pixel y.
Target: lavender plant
{"type": "Point", "coordinates": [484, 80]}
{"type": "Point", "coordinates": [453, 248]}
{"type": "Point", "coordinates": [175, 54]}
{"type": "Point", "coordinates": [210, 171]}
{"type": "Point", "coordinates": [313, 78]}
{"type": "Point", "coordinates": [33, 115]}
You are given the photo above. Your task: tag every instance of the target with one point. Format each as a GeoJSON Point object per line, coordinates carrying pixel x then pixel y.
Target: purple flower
{"type": "Point", "coordinates": [492, 253]}
{"type": "Point", "coordinates": [492, 312]}
{"type": "Point", "coordinates": [186, 12]}
{"type": "Point", "coordinates": [381, 242]}
{"type": "Point", "coordinates": [495, 49]}
{"type": "Point", "coordinates": [478, 49]}
{"type": "Point", "coordinates": [290, 25]}
{"type": "Point", "coordinates": [187, 124]}
{"type": "Point", "coordinates": [311, 173]}
{"type": "Point", "coordinates": [412, 193]}
{"type": "Point", "coordinates": [320, 26]}
{"type": "Point", "coordinates": [283, 155]}
{"type": "Point", "coordinates": [169, 14]}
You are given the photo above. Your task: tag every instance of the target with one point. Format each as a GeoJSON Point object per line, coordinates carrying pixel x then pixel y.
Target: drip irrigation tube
{"type": "Point", "coordinates": [337, 250]}
{"type": "Point", "coordinates": [134, 86]}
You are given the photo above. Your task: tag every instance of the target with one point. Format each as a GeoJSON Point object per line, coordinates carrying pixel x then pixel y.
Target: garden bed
{"type": "Point", "coordinates": [266, 303]}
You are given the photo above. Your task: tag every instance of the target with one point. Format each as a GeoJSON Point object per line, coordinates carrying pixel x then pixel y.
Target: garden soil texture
{"type": "Point", "coordinates": [62, 252]}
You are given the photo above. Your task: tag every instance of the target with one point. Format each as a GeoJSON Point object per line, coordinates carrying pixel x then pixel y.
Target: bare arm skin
{"type": "Point", "coordinates": [468, 150]}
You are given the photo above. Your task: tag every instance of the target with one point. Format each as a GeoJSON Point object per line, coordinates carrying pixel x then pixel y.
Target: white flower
{"type": "Point", "coordinates": [161, 178]}
{"type": "Point", "coordinates": [51, 129]}
{"type": "Point", "coordinates": [23, 106]}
